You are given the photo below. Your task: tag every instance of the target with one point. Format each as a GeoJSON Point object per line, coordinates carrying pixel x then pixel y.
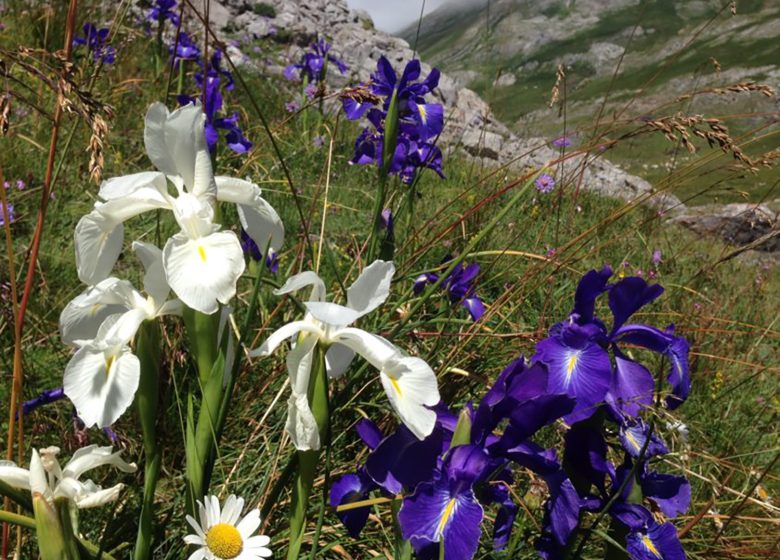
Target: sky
{"type": "Point", "coordinates": [394, 15]}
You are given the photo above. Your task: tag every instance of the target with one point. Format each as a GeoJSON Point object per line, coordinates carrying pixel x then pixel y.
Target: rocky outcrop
{"type": "Point", "coordinates": [471, 125]}
{"type": "Point", "coordinates": [739, 224]}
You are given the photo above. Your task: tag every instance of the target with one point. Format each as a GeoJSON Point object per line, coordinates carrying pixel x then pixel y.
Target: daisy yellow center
{"type": "Point", "coordinates": [224, 541]}
{"type": "Point", "coordinates": [202, 253]}
{"type": "Point", "coordinates": [650, 545]}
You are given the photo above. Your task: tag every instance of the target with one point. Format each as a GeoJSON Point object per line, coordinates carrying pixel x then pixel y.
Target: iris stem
{"type": "Point", "coordinates": [202, 333]}
{"type": "Point", "coordinates": [17, 519]}
{"type": "Point", "coordinates": [148, 350]}
{"type": "Point", "coordinates": [307, 460]}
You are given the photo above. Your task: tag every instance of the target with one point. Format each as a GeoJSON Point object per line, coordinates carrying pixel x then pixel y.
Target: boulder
{"type": "Point", "coordinates": [737, 224]}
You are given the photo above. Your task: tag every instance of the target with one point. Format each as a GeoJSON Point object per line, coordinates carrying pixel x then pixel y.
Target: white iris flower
{"type": "Point", "coordinates": [409, 382]}
{"type": "Point", "coordinates": [48, 480]}
{"type": "Point", "coordinates": [201, 262]}
{"type": "Point", "coordinates": [102, 376]}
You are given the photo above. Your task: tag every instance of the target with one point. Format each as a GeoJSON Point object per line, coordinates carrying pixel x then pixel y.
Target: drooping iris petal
{"type": "Point", "coordinates": [301, 424]}
{"type": "Point", "coordinates": [257, 217]}
{"type": "Point", "coordinates": [203, 271]}
{"type": "Point", "coordinates": [354, 108]}
{"type": "Point", "coordinates": [671, 493]}
{"type": "Point", "coordinates": [98, 242]}
{"type": "Point", "coordinates": [633, 435]}
{"type": "Point", "coordinates": [348, 489]}
{"type": "Point", "coordinates": [101, 382]}
{"type": "Point", "coordinates": [447, 508]}
{"type": "Point", "coordinates": [82, 317]}
{"type": "Point", "coordinates": [657, 542]}
{"type": "Point", "coordinates": [429, 117]}
{"type": "Point", "coordinates": [675, 348]}
{"type": "Point", "coordinates": [632, 385]}
{"type": "Point", "coordinates": [562, 508]}
{"type": "Point", "coordinates": [577, 367]}
{"type": "Point", "coordinates": [369, 433]}
{"type": "Point", "coordinates": [475, 307]}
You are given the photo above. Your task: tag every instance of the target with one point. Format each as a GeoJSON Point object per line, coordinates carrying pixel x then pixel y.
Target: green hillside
{"type": "Point", "coordinates": [662, 50]}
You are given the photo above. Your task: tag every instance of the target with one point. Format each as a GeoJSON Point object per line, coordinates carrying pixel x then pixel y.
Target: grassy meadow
{"type": "Point", "coordinates": [531, 261]}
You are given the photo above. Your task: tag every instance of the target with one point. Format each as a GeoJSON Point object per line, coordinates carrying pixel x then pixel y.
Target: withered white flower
{"type": "Point", "coordinates": [47, 480]}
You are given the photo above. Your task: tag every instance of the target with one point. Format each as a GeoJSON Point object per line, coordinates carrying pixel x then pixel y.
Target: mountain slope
{"type": "Point", "coordinates": [509, 50]}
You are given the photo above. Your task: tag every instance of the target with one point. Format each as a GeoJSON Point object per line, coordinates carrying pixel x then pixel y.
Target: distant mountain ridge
{"type": "Point", "coordinates": [521, 42]}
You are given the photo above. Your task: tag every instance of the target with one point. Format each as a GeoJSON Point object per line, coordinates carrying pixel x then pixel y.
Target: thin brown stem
{"type": "Point", "coordinates": [21, 308]}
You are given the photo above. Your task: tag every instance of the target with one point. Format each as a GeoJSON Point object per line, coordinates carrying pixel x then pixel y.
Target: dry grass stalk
{"type": "Point", "coordinates": [361, 94]}
{"type": "Point", "coordinates": [683, 128]}
{"type": "Point", "coordinates": [5, 110]}
{"type": "Point", "coordinates": [560, 75]}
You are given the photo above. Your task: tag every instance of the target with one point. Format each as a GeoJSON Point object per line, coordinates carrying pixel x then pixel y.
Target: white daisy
{"type": "Point", "coordinates": [221, 536]}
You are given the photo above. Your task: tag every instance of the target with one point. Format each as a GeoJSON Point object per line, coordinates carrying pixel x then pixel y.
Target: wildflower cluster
{"type": "Point", "coordinates": [212, 81]}
{"type": "Point", "coordinates": [404, 126]}
{"type": "Point", "coordinates": [459, 286]}
{"type": "Point", "coordinates": [95, 40]}
{"type": "Point", "coordinates": [466, 465]}
{"type": "Point", "coordinates": [313, 65]}
{"type": "Point", "coordinates": [162, 11]}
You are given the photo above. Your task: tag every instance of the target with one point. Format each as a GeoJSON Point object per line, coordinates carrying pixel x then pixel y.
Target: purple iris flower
{"type": "Point", "coordinates": [459, 285]}
{"type": "Point", "coordinates": [312, 66]}
{"type": "Point", "coordinates": [348, 489]}
{"type": "Point", "coordinates": [419, 122]}
{"type": "Point", "coordinates": [447, 508]}
{"type": "Point", "coordinates": [387, 221]}
{"type": "Point", "coordinates": [655, 542]}
{"type": "Point", "coordinates": [11, 216]}
{"type": "Point", "coordinates": [215, 80]}
{"type": "Point", "coordinates": [446, 488]}
{"type": "Point", "coordinates": [562, 142]}
{"type": "Point", "coordinates": [577, 352]}
{"type": "Point", "coordinates": [633, 436]}
{"type": "Point", "coordinates": [185, 49]}
{"type": "Point", "coordinates": [162, 10]}
{"type": "Point", "coordinates": [250, 248]}
{"type": "Point", "coordinates": [95, 41]}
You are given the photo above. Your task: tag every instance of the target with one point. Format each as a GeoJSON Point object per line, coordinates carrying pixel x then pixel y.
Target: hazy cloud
{"type": "Point", "coordinates": [394, 15]}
